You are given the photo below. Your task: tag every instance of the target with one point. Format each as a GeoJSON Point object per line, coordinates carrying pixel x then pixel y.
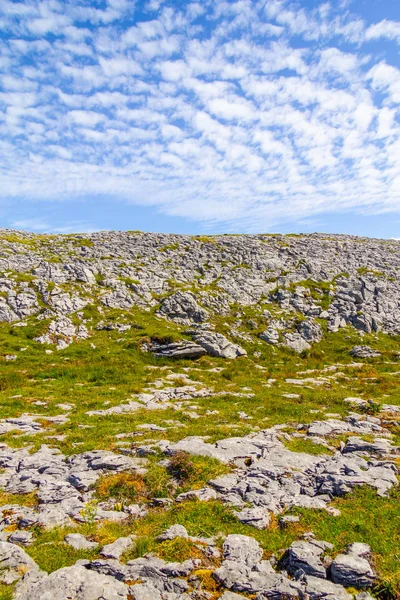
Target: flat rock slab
{"type": "Point", "coordinates": [117, 548]}
{"type": "Point", "coordinates": [79, 542]}
{"type": "Point", "coordinates": [74, 582]}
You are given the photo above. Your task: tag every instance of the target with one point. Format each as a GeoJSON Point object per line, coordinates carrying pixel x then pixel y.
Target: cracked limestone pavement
{"type": "Point", "coordinates": [198, 417]}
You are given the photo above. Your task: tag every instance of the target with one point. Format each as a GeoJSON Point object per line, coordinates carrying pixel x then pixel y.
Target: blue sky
{"type": "Point", "coordinates": [191, 117]}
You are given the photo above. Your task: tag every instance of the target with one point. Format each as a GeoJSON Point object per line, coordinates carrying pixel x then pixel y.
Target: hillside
{"type": "Point", "coordinates": [199, 417]}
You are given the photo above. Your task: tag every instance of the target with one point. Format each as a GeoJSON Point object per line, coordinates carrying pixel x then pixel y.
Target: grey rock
{"type": "Point", "coordinates": [288, 520]}
{"type": "Point", "coordinates": [204, 494]}
{"type": "Point", "coordinates": [378, 446]}
{"type": "Point", "coordinates": [270, 335]}
{"type": "Point", "coordinates": [305, 557]}
{"type": "Point", "coordinates": [217, 344]}
{"type": "Point", "coordinates": [257, 517]}
{"type": "Point", "coordinates": [117, 548]}
{"type": "Point", "coordinates": [178, 350]}
{"type": "Point", "coordinates": [173, 532]}
{"type": "Point", "coordinates": [322, 589]}
{"type": "Point", "coordinates": [296, 342]}
{"type": "Point", "coordinates": [353, 569]}
{"type": "Point", "coordinates": [72, 582]}
{"type": "Point", "coordinates": [79, 542]}
{"type": "Point", "coordinates": [242, 549]}
{"type": "Point", "coordinates": [280, 587]}
{"type": "Point", "coordinates": [310, 331]}
{"type": "Point", "coordinates": [14, 562]}
{"type": "Point", "coordinates": [24, 538]}
{"type": "Point", "coordinates": [145, 591]}
{"type": "Point", "coordinates": [183, 308]}
{"type": "Point", "coordinates": [364, 352]}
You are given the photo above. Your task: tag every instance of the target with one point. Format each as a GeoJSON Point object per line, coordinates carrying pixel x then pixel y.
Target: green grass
{"type": "Point", "coordinates": [6, 591]}
{"type": "Point", "coordinates": [306, 445]}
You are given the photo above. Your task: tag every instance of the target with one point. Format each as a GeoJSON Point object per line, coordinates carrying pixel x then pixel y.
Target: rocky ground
{"type": "Point", "coordinates": [199, 417]}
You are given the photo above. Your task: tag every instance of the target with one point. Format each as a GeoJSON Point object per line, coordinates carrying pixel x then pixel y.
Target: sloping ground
{"type": "Point", "coordinates": [241, 388]}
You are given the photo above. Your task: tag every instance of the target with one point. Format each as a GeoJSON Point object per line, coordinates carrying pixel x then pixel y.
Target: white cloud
{"type": "Point", "coordinates": [119, 66]}
{"type": "Point", "coordinates": [387, 79]}
{"type": "Point", "coordinates": [231, 110]}
{"type": "Point", "coordinates": [174, 70]}
{"type": "Point", "coordinates": [85, 117]}
{"type": "Point", "coordinates": [50, 24]}
{"type": "Point", "coordinates": [384, 29]}
{"type": "Point", "coordinates": [245, 113]}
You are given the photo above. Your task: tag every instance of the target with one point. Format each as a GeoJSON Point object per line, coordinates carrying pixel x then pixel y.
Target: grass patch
{"type": "Point", "coordinates": [305, 445]}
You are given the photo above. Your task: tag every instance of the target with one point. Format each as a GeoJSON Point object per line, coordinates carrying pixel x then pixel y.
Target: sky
{"type": "Point", "coordinates": [242, 116]}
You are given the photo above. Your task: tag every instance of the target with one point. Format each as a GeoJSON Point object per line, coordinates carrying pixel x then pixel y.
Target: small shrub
{"type": "Point", "coordinates": [178, 549]}
{"type": "Point", "coordinates": [122, 487]}
{"type": "Point", "coordinates": [181, 466]}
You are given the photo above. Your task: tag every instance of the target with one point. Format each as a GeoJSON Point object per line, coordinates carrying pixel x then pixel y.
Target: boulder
{"type": "Point", "coordinates": [310, 331]}
{"type": "Point", "coordinates": [173, 532]}
{"type": "Point", "coordinates": [79, 542]}
{"type": "Point", "coordinates": [296, 342]}
{"type": "Point", "coordinates": [14, 562]}
{"type": "Point", "coordinates": [242, 549]}
{"type": "Point", "coordinates": [117, 548]}
{"type": "Point", "coordinates": [217, 344]}
{"type": "Point", "coordinates": [184, 349]}
{"type": "Point", "coordinates": [364, 352]}
{"type": "Point", "coordinates": [183, 308]}
{"type": "Point", "coordinates": [353, 569]}
{"type": "Point", "coordinates": [305, 557]}
{"type": "Point", "coordinates": [257, 517]}
{"type": "Point", "coordinates": [76, 582]}
{"type": "Point", "coordinates": [322, 589]}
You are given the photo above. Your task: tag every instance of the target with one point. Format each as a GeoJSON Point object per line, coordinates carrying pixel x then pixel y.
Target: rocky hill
{"type": "Point", "coordinates": [198, 417]}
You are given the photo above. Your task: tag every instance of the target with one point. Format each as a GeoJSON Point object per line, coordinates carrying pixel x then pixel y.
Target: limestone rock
{"type": "Point", "coordinates": [321, 589]}
{"type": "Point", "coordinates": [363, 352]}
{"type": "Point", "coordinates": [217, 344]}
{"type": "Point", "coordinates": [79, 542]}
{"type": "Point", "coordinates": [352, 569]}
{"type": "Point", "coordinates": [14, 562]}
{"type": "Point", "coordinates": [117, 548]}
{"type": "Point", "coordinates": [296, 342]}
{"type": "Point", "coordinates": [257, 517]}
{"type": "Point", "coordinates": [242, 549]}
{"type": "Point", "coordinates": [182, 349]}
{"type": "Point", "coordinates": [72, 582]}
{"type": "Point", "coordinates": [173, 532]}
{"type": "Point", "coordinates": [183, 308]}
{"type": "Point", "coordinates": [305, 557]}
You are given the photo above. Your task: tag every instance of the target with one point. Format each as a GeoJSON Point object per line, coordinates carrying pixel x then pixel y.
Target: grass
{"type": "Point", "coordinates": [6, 591]}
{"type": "Point", "coordinates": [305, 445]}
{"type": "Point", "coordinates": [183, 473]}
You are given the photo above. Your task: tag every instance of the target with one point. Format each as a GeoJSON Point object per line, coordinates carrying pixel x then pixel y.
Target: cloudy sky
{"type": "Point", "coordinates": [211, 116]}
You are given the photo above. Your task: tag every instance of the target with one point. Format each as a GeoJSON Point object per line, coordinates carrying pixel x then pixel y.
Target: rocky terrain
{"type": "Point", "coordinates": [199, 417]}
